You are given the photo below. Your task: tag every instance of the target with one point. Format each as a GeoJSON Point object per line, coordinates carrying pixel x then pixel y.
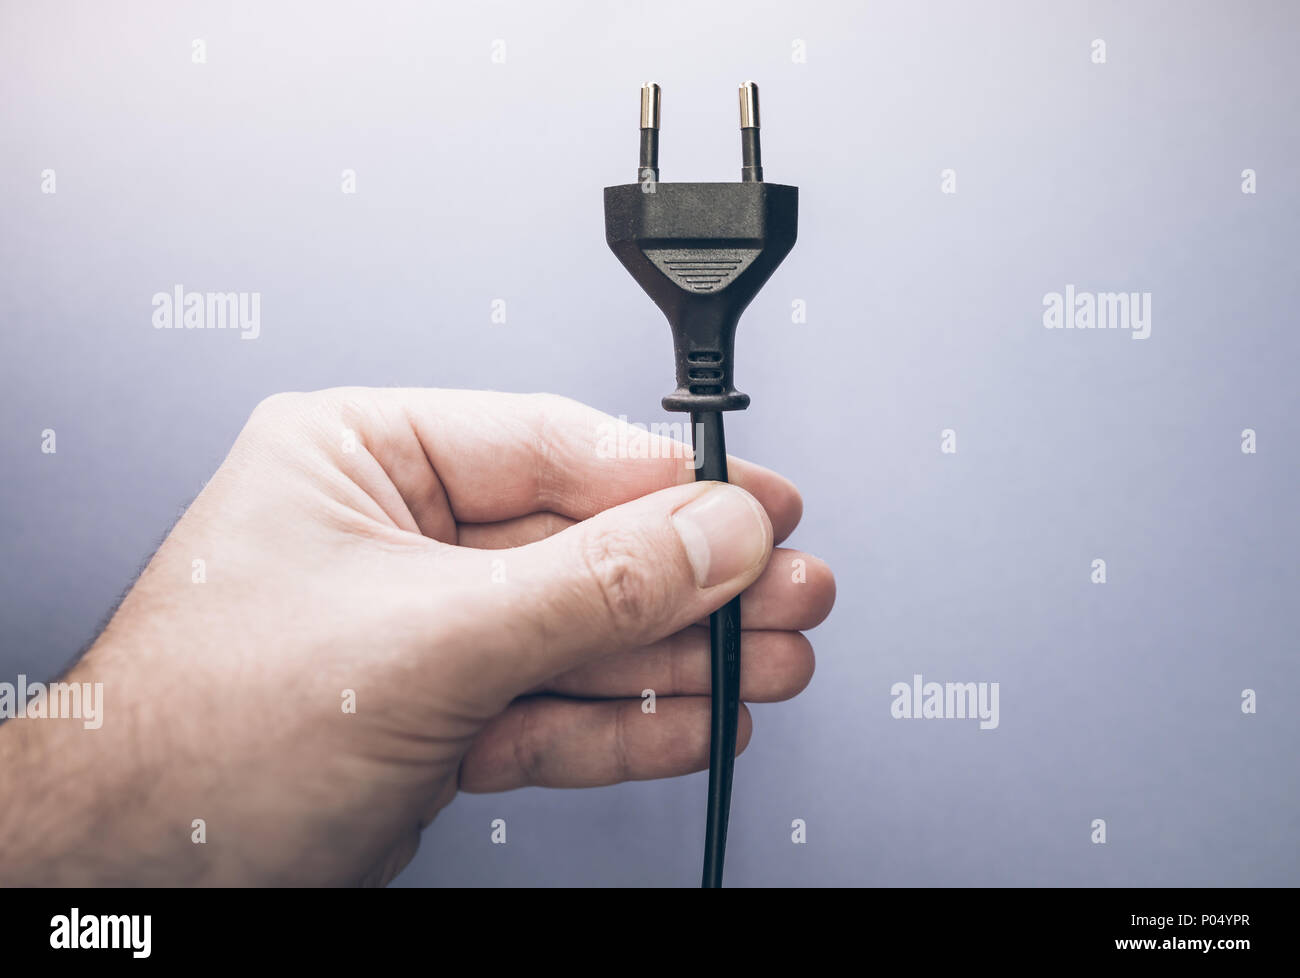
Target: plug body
{"type": "Point", "coordinates": [702, 251]}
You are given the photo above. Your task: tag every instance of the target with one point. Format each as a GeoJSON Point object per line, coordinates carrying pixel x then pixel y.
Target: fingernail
{"type": "Point", "coordinates": [725, 534]}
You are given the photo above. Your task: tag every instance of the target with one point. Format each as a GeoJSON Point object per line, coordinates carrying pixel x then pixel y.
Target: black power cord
{"type": "Point", "coordinates": [702, 251]}
{"type": "Point", "coordinates": [724, 644]}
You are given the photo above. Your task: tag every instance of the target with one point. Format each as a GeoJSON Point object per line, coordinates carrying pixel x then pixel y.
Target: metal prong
{"type": "Point", "coordinates": [649, 106]}
{"type": "Point", "coordinates": [647, 174]}
{"type": "Point", "coordinates": [748, 106]}
{"type": "Point", "coordinates": [751, 154]}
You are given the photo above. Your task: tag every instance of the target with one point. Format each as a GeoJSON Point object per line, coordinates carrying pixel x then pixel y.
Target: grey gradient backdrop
{"type": "Point", "coordinates": [479, 181]}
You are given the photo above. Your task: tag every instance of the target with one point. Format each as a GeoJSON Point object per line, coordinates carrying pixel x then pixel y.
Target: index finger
{"type": "Point", "coordinates": [503, 456]}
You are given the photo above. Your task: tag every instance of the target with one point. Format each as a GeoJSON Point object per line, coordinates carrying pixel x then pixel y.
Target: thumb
{"type": "Point", "coordinates": [626, 577]}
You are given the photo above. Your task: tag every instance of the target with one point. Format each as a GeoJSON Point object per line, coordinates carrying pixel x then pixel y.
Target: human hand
{"type": "Point", "coordinates": [491, 596]}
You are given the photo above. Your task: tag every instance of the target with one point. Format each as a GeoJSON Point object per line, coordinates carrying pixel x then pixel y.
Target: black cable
{"type": "Point", "coordinates": [724, 655]}
{"type": "Point", "coordinates": [702, 251]}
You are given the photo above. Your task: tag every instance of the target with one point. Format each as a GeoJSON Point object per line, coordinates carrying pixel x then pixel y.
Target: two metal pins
{"type": "Point", "coordinates": [751, 156]}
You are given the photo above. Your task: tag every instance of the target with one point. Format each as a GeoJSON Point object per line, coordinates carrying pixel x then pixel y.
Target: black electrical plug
{"type": "Point", "coordinates": [702, 251]}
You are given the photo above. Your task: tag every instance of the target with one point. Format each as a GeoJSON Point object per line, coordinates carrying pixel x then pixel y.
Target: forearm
{"type": "Point", "coordinates": [80, 796]}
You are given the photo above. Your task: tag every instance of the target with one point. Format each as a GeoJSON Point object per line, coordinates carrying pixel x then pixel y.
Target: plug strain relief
{"type": "Point", "coordinates": [704, 354]}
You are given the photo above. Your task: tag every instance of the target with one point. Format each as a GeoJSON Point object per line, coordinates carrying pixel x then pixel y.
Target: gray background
{"type": "Point", "coordinates": [479, 181]}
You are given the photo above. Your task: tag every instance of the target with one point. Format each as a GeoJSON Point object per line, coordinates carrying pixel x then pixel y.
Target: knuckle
{"type": "Point", "coordinates": [555, 425]}
{"type": "Point", "coordinates": [277, 410]}
{"type": "Point", "coordinates": [622, 758]}
{"type": "Point", "coordinates": [527, 747]}
{"type": "Point", "coordinates": [293, 426]}
{"type": "Point", "coordinates": [548, 403]}
{"type": "Point", "coordinates": [273, 405]}
{"type": "Point", "coordinates": [631, 593]}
